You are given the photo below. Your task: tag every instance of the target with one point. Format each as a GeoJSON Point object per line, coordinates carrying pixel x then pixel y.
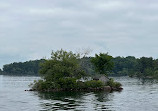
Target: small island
{"type": "Point", "coordinates": [63, 73]}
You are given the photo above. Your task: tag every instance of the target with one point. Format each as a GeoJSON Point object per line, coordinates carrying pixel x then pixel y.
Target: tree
{"type": "Point", "coordinates": [63, 69]}
{"type": "Point", "coordinates": [22, 68]}
{"type": "Point", "coordinates": [124, 65]}
{"type": "Point", "coordinates": [103, 63]}
{"type": "Point", "coordinates": [145, 63]}
{"type": "Point", "coordinates": [62, 64]}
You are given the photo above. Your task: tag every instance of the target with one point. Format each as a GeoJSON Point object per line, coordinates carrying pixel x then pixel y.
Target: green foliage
{"type": "Point", "coordinates": [1, 71]}
{"type": "Point", "coordinates": [25, 68]}
{"type": "Point", "coordinates": [124, 66]}
{"type": "Point", "coordinates": [61, 71]}
{"type": "Point", "coordinates": [93, 84]}
{"type": "Point", "coordinates": [113, 84]}
{"type": "Point", "coordinates": [80, 85]}
{"type": "Point", "coordinates": [140, 67]}
{"type": "Point", "coordinates": [144, 63]}
{"type": "Point", "coordinates": [41, 85]}
{"type": "Point", "coordinates": [118, 84]}
{"type": "Point", "coordinates": [67, 83]}
{"type": "Point", "coordinates": [155, 74]}
{"type": "Point", "coordinates": [103, 63]}
{"type": "Point", "coordinates": [62, 64]}
{"type": "Point", "coordinates": [65, 65]}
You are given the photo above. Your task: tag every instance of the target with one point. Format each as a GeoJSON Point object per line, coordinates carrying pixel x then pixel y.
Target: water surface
{"type": "Point", "coordinates": [138, 95]}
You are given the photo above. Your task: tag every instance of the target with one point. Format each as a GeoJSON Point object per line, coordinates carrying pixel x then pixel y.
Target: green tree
{"type": "Point", "coordinates": [22, 68]}
{"type": "Point", "coordinates": [145, 63]}
{"type": "Point", "coordinates": [103, 63]}
{"type": "Point", "coordinates": [124, 66]}
{"type": "Point", "coordinates": [63, 69]}
{"type": "Point", "coordinates": [62, 64]}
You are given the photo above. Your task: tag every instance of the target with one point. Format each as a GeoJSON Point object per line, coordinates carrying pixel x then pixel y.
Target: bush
{"type": "Point", "coordinates": [81, 85]}
{"type": "Point", "coordinates": [93, 84]}
{"type": "Point", "coordinates": [113, 84]}
{"type": "Point", "coordinates": [67, 83]}
{"type": "Point", "coordinates": [41, 85]}
{"type": "Point", "coordinates": [118, 85]}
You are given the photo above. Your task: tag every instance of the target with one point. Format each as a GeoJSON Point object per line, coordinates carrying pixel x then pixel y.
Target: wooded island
{"type": "Point", "coordinates": [63, 72]}
{"type": "Point", "coordinates": [144, 67]}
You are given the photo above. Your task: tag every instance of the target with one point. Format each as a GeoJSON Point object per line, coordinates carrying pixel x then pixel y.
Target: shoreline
{"type": "Point", "coordinates": [105, 88]}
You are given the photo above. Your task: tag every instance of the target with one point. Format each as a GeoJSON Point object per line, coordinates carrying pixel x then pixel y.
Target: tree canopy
{"type": "Point", "coordinates": [103, 63]}
{"type": "Point", "coordinates": [64, 70]}
{"type": "Point", "coordinates": [62, 64]}
{"type": "Point", "coordinates": [22, 68]}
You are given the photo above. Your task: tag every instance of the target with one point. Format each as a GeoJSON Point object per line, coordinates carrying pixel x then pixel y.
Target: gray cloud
{"type": "Point", "coordinates": [31, 29]}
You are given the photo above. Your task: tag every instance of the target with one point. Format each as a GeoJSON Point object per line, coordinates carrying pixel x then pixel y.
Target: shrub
{"type": "Point", "coordinates": [81, 85]}
{"type": "Point", "coordinates": [67, 83]}
{"type": "Point", "coordinates": [113, 84]}
{"type": "Point", "coordinates": [93, 84]}
{"type": "Point", "coordinates": [43, 85]}
{"type": "Point", "coordinates": [118, 85]}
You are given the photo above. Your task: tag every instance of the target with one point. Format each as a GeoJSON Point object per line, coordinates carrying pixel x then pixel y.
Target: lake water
{"type": "Point", "coordinates": [138, 95]}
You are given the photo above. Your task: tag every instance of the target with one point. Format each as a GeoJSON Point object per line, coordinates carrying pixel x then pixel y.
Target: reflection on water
{"type": "Point", "coordinates": [137, 95]}
{"type": "Point", "coordinates": [74, 101]}
{"type": "Point", "coordinates": [61, 100]}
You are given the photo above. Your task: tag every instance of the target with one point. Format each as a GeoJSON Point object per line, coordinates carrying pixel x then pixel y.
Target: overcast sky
{"type": "Point", "coordinates": [31, 29]}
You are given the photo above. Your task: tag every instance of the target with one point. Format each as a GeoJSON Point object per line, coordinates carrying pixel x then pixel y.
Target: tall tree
{"type": "Point", "coordinates": [103, 63]}
{"type": "Point", "coordinates": [144, 63]}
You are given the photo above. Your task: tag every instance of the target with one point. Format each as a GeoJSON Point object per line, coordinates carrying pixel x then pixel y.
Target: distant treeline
{"type": "Point", "coordinates": [123, 66]}
{"type": "Point", "coordinates": [22, 68]}
{"type": "Point", "coordinates": [140, 67]}
{"type": "Point", "coordinates": [146, 67]}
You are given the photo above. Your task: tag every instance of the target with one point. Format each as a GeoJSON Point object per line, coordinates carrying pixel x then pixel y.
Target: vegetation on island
{"type": "Point", "coordinates": [103, 63]}
{"type": "Point", "coordinates": [144, 67]}
{"type": "Point", "coordinates": [63, 72]}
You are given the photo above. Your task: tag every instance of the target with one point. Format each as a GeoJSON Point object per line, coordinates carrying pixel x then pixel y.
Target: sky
{"type": "Point", "coordinates": [31, 29]}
